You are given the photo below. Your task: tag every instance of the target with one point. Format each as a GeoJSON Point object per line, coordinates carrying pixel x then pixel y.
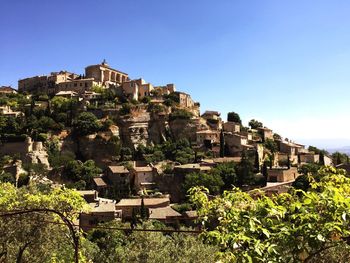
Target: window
{"type": "Point", "coordinates": [75, 84]}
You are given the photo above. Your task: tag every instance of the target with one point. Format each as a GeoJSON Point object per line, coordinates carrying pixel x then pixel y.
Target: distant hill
{"type": "Point", "coordinates": [344, 149]}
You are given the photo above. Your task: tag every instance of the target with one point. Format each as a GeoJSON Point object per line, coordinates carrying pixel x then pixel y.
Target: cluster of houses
{"type": "Point", "coordinates": [210, 132]}
{"type": "Point", "coordinates": [64, 83]}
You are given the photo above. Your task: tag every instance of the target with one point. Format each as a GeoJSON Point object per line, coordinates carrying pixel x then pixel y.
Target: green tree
{"type": "Point", "coordinates": [300, 226]}
{"type": "Point", "coordinates": [339, 158]}
{"type": "Point", "coordinates": [277, 137]}
{"type": "Point", "coordinates": [254, 124]}
{"type": "Point", "coordinates": [222, 144]}
{"type": "Point", "coordinates": [227, 172]}
{"type": "Point", "coordinates": [212, 181]}
{"type": "Point", "coordinates": [271, 145]}
{"type": "Point", "coordinates": [151, 247]}
{"type": "Point", "coordinates": [321, 162]}
{"type": "Point", "coordinates": [234, 117]}
{"type": "Point", "coordinates": [38, 236]}
{"type": "Point", "coordinates": [86, 124]}
{"type": "Point", "coordinates": [245, 170]}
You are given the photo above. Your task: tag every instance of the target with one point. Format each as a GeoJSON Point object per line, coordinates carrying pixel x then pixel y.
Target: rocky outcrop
{"type": "Point", "coordinates": [183, 128]}
{"type": "Point", "coordinates": [28, 151]}
{"type": "Point", "coordinates": [134, 129]}
{"type": "Point", "coordinates": [158, 130]}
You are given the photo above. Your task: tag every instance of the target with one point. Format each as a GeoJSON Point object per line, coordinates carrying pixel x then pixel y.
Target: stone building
{"type": "Point", "coordinates": [77, 85]}
{"type": "Point", "coordinates": [232, 127]}
{"type": "Point", "coordinates": [144, 177]}
{"type": "Point", "coordinates": [105, 75]}
{"type": "Point", "coordinates": [236, 143]}
{"type": "Point", "coordinates": [184, 99]}
{"type": "Point", "coordinates": [129, 204]}
{"type": "Point", "coordinates": [137, 88]}
{"type": "Point", "coordinates": [282, 175]}
{"type": "Point", "coordinates": [207, 137]}
{"type": "Point", "coordinates": [7, 90]}
{"type": "Point", "coordinates": [102, 210]}
{"type": "Point", "coordinates": [45, 84]}
{"type": "Point", "coordinates": [120, 179]}
{"type": "Point", "coordinates": [290, 148]}
{"type": "Point", "coordinates": [165, 90]}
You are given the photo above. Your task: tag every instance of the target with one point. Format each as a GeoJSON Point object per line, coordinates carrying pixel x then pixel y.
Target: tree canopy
{"type": "Point", "coordinates": [254, 124]}
{"type": "Point", "coordinates": [299, 226]}
{"type": "Point", "coordinates": [31, 237]}
{"type": "Point", "coordinates": [234, 117]}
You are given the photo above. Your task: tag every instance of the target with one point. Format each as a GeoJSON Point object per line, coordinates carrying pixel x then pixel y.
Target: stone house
{"type": "Point", "coordinates": [265, 133]}
{"type": "Point", "coordinates": [231, 126]}
{"type": "Point", "coordinates": [290, 148]}
{"type": "Point", "coordinates": [207, 137]}
{"type": "Point", "coordinates": [144, 177]}
{"type": "Point", "coordinates": [282, 175]}
{"type": "Point", "coordinates": [236, 143]}
{"type": "Point", "coordinates": [137, 88]}
{"type": "Point", "coordinates": [77, 85]}
{"type": "Point", "coordinates": [45, 84]}
{"type": "Point", "coordinates": [7, 90]}
{"type": "Point", "coordinates": [102, 210]}
{"type": "Point", "coordinates": [100, 185]}
{"type": "Point", "coordinates": [120, 178]}
{"type": "Point", "coordinates": [128, 204]}
{"type": "Point", "coordinates": [309, 157]}
{"type": "Point", "coordinates": [166, 214]}
{"type": "Point", "coordinates": [7, 111]}
{"type": "Point", "coordinates": [185, 100]}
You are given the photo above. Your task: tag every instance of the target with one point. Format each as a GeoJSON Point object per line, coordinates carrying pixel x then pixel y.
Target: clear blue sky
{"type": "Point", "coordinates": [286, 63]}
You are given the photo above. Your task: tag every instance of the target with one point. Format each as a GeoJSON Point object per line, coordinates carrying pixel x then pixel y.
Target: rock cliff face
{"type": "Point", "coordinates": [186, 128]}
{"type": "Point", "coordinates": [158, 128]}
{"type": "Point", "coordinates": [28, 151]}
{"type": "Point", "coordinates": [98, 149]}
{"type": "Point", "coordinates": [134, 129]}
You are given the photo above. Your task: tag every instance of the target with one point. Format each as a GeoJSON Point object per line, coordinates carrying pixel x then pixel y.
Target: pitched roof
{"type": "Point", "coordinates": [6, 89]}
{"type": "Point", "coordinates": [147, 201]}
{"type": "Point", "coordinates": [102, 205]}
{"type": "Point", "coordinates": [99, 181]}
{"type": "Point", "coordinates": [163, 213]}
{"type": "Point", "coordinates": [143, 169]}
{"type": "Point", "coordinates": [118, 169]}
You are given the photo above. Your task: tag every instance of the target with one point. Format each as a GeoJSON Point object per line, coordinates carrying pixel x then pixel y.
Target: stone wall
{"type": "Point", "coordinates": [282, 175]}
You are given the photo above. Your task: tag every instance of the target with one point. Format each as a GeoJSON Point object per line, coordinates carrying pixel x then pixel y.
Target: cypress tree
{"type": "Point", "coordinates": [133, 222]}
{"type": "Point", "coordinates": [264, 172]}
{"type": "Point", "coordinates": [143, 210]}
{"type": "Point", "coordinates": [288, 162]}
{"type": "Point", "coordinates": [321, 161]}
{"type": "Point", "coordinates": [222, 144]}
{"type": "Point", "coordinates": [256, 162]}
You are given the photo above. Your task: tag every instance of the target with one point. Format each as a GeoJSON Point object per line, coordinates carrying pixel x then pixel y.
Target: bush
{"type": "Point", "coordinates": [180, 114]}
{"type": "Point", "coordinates": [125, 109]}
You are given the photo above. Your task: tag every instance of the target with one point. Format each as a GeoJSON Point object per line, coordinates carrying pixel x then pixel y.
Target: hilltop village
{"type": "Point", "coordinates": [131, 147]}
